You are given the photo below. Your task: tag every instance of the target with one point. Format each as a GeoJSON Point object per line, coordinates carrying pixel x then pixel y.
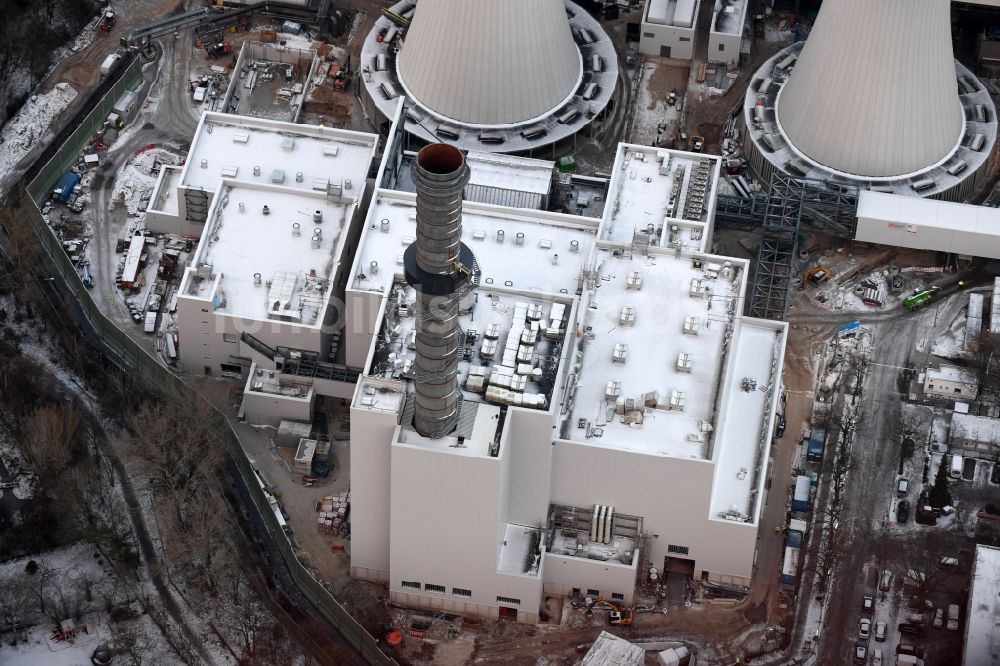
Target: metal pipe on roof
{"type": "Point", "coordinates": [440, 267]}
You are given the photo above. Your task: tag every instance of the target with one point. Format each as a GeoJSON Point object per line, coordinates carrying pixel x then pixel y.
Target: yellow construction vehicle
{"type": "Point", "coordinates": [619, 615]}
{"type": "Point", "coordinates": [818, 274]}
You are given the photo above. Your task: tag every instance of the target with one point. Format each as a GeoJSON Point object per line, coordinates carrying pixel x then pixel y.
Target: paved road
{"type": "Point", "coordinates": [875, 454]}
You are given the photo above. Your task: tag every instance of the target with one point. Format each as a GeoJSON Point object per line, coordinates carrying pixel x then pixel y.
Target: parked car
{"type": "Point", "coordinates": [910, 628]}
{"type": "Point", "coordinates": [865, 628]}
{"type": "Point", "coordinates": [949, 561]}
{"type": "Point", "coordinates": [902, 487]}
{"type": "Point", "coordinates": [860, 653]}
{"type": "Point", "coordinates": [880, 630]}
{"type": "Point", "coordinates": [902, 511]}
{"type": "Point", "coordinates": [868, 604]}
{"type": "Point", "coordinates": [953, 617]}
{"type": "Point", "coordinates": [885, 582]}
{"type": "Point", "coordinates": [906, 648]}
{"type": "Point", "coordinates": [779, 430]}
{"type": "Point", "coordinates": [939, 618]}
{"type": "Point", "coordinates": [877, 657]}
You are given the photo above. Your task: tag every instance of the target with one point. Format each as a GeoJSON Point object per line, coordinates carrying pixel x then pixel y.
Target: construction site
{"type": "Point", "coordinates": [566, 363]}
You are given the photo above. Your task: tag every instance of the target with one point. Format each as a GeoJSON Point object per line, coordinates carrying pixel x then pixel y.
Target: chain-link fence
{"type": "Point", "coordinates": [130, 356]}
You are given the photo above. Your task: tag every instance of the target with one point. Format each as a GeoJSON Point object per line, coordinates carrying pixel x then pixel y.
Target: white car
{"type": "Point", "coordinates": [880, 630]}
{"type": "Point", "coordinates": [877, 657]}
{"type": "Point", "coordinates": [865, 628]}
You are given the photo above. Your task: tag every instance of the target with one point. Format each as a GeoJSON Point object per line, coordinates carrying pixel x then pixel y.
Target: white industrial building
{"type": "Point", "coordinates": [276, 206]}
{"type": "Point", "coordinates": [874, 98]}
{"type": "Point", "coordinates": [505, 76]}
{"type": "Point", "coordinates": [616, 407]}
{"type": "Point", "coordinates": [982, 614]}
{"type": "Point", "coordinates": [668, 28]}
{"type": "Point", "coordinates": [950, 382]}
{"type": "Point", "coordinates": [725, 36]}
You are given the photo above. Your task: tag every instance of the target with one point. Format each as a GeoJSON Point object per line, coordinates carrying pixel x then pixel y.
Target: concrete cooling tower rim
{"type": "Point", "coordinates": [384, 88]}
{"type": "Point", "coordinates": [953, 177]}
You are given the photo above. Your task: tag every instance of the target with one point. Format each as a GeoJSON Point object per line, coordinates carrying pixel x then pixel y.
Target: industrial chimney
{"type": "Point", "coordinates": [874, 90]}
{"type": "Point", "coordinates": [490, 62]}
{"type": "Point", "coordinates": [440, 267]}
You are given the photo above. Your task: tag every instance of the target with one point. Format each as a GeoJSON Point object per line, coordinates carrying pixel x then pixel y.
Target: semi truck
{"type": "Point", "coordinates": [800, 499]}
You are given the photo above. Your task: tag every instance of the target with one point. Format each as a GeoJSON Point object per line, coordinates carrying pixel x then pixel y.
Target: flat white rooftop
{"type": "Point", "coordinates": [951, 373]}
{"type": "Point", "coordinates": [263, 151]}
{"type": "Point", "coordinates": [745, 422]}
{"type": "Point", "coordinates": [516, 554]}
{"type": "Point", "coordinates": [637, 346]}
{"type": "Point", "coordinates": [729, 16]}
{"type": "Point", "coordinates": [545, 260]}
{"type": "Point", "coordinates": [165, 196]}
{"type": "Point", "coordinates": [476, 445]}
{"type": "Point", "coordinates": [668, 195]}
{"type": "Point", "coordinates": [508, 172]}
{"type": "Point", "coordinates": [975, 428]}
{"type": "Point", "coordinates": [241, 241]}
{"type": "Point", "coordinates": [676, 13]}
{"type": "Point", "coordinates": [982, 640]}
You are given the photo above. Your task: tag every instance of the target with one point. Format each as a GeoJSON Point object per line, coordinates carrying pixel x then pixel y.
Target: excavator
{"type": "Point", "coordinates": [619, 615]}
{"type": "Point", "coordinates": [816, 275]}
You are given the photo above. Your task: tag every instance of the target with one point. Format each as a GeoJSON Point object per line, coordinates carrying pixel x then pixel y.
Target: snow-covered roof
{"type": "Point", "coordinates": [242, 241]}
{"type": "Point", "coordinates": [975, 428]}
{"type": "Point", "coordinates": [950, 373]}
{"type": "Point", "coordinates": [635, 318]}
{"type": "Point", "coordinates": [982, 640]}
{"type": "Point", "coordinates": [514, 553]}
{"type": "Point", "coordinates": [507, 172]}
{"type": "Point", "coordinates": [391, 226]}
{"type": "Point", "coordinates": [729, 16]}
{"type": "Point", "coordinates": [259, 150]}
{"type": "Point", "coordinates": [676, 13]}
{"type": "Point", "coordinates": [610, 650]}
{"type": "Point", "coordinates": [662, 190]}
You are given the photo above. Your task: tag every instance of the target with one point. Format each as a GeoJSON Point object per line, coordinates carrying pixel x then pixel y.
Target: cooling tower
{"type": "Point", "coordinates": [490, 62]}
{"type": "Point", "coordinates": [439, 266]}
{"type": "Point", "coordinates": [874, 91]}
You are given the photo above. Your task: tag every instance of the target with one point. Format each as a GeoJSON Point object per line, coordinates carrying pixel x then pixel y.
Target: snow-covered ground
{"type": "Point", "coordinates": [28, 125]}
{"type": "Point", "coordinates": [651, 111]}
{"type": "Point", "coordinates": [40, 651]}
{"type": "Point", "coordinates": [136, 180]}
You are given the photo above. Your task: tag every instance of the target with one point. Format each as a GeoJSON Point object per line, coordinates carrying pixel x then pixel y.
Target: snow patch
{"type": "Point", "coordinates": [30, 123]}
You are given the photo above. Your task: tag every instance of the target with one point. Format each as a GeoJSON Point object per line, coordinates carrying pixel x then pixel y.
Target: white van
{"type": "Point", "coordinates": [955, 471]}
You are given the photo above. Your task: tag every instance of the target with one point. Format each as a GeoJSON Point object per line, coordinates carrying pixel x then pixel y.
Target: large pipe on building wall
{"type": "Point", "coordinates": [438, 265]}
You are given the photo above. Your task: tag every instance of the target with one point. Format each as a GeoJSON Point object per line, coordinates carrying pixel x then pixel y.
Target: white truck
{"type": "Point", "coordinates": [952, 617]}
{"type": "Point", "coordinates": [955, 471]}
{"type": "Point", "coordinates": [110, 64]}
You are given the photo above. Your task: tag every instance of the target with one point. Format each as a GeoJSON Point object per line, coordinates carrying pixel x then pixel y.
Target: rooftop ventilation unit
{"type": "Point", "coordinates": [634, 281]}
{"type": "Point", "coordinates": [677, 400]}
{"type": "Point", "coordinates": [620, 353]}
{"type": "Point", "coordinates": [590, 91]}
{"type": "Point", "coordinates": [923, 184]}
{"type": "Point", "coordinates": [288, 144]}
{"type": "Point", "coordinates": [596, 63]}
{"type": "Point", "coordinates": [449, 132]}
{"type": "Point", "coordinates": [958, 167]}
{"type": "Point", "coordinates": [977, 142]}
{"type": "Point", "coordinates": [569, 116]}
{"type": "Point", "coordinates": [627, 317]}
{"type": "Point", "coordinates": [684, 362]}
{"type": "Point", "coordinates": [691, 325]}
{"type": "Point", "coordinates": [241, 137]}
{"type": "Point", "coordinates": [613, 390]}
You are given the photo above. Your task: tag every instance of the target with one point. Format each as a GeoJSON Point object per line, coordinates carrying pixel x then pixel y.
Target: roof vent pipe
{"type": "Point", "coordinates": [265, 210]}
{"type": "Point", "coordinates": [317, 217]}
{"type": "Point", "coordinates": [296, 229]}
{"type": "Point", "coordinates": [256, 279]}
{"type": "Point", "coordinates": [440, 268]}
{"type": "Point", "coordinates": [256, 170]}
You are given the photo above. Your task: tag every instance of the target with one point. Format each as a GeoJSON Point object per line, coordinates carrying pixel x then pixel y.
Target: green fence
{"type": "Point", "coordinates": [137, 360]}
{"type": "Point", "coordinates": [69, 152]}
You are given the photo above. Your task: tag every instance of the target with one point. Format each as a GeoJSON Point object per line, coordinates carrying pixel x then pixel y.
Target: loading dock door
{"type": "Point", "coordinates": [664, 51]}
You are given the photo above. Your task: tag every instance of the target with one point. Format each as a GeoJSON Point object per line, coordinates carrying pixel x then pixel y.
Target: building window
{"type": "Point", "coordinates": [459, 592]}
{"type": "Point", "coordinates": [509, 600]}
{"type": "Point", "coordinates": [680, 550]}
{"type": "Point", "coordinates": [230, 337]}
{"type": "Point", "coordinates": [616, 596]}
{"type": "Point", "coordinates": [591, 592]}
{"type": "Point", "coordinates": [413, 585]}
{"type": "Point", "coordinates": [930, 387]}
{"type": "Point", "coordinates": [683, 39]}
{"type": "Point", "coordinates": [434, 588]}
{"type": "Point", "coordinates": [722, 47]}
{"type": "Point", "coordinates": [958, 390]}
{"type": "Point", "coordinates": [204, 309]}
{"type": "Point", "coordinates": [648, 34]}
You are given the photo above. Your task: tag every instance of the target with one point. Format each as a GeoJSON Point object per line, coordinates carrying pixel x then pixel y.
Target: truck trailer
{"type": "Point", "coordinates": [817, 441]}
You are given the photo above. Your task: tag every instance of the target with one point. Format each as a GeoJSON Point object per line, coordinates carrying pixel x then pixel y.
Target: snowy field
{"type": "Point", "coordinates": [24, 129]}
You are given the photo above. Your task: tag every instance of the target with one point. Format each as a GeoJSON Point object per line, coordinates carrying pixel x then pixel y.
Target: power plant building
{"type": "Point", "coordinates": [615, 408]}
{"type": "Point", "coordinates": [541, 403]}
{"type": "Point", "coordinates": [873, 98]}
{"type": "Point", "coordinates": [496, 75]}
{"type": "Point", "coordinates": [668, 28]}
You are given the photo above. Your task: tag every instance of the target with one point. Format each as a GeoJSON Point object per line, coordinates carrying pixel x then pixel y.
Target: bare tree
{"type": "Point", "coordinates": [241, 612]}
{"type": "Point", "coordinates": [133, 641]}
{"type": "Point", "coordinates": [984, 353]}
{"type": "Point", "coordinates": [919, 560]}
{"type": "Point", "coordinates": [50, 436]}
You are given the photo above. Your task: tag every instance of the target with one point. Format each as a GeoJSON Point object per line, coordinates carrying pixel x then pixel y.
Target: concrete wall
{"type": "Point", "coordinates": [260, 408]}
{"type": "Point", "coordinates": [363, 314]}
{"type": "Point", "coordinates": [671, 495]}
{"type": "Point", "coordinates": [724, 48]}
{"type": "Point", "coordinates": [948, 389]}
{"type": "Point", "coordinates": [372, 433]}
{"type": "Point", "coordinates": [564, 573]}
{"type": "Point", "coordinates": [446, 530]}
{"type": "Point", "coordinates": [653, 38]}
{"type": "Point", "coordinates": [529, 448]}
